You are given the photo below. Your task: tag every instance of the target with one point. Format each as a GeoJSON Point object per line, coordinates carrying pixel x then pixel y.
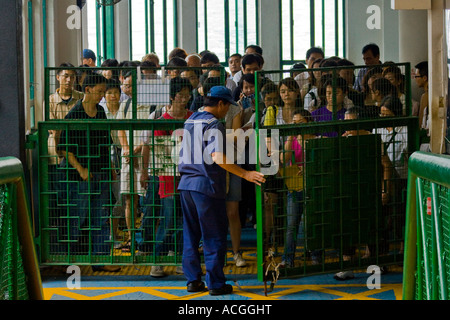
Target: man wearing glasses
{"type": "Point", "coordinates": [61, 102]}
{"type": "Point", "coordinates": [421, 77]}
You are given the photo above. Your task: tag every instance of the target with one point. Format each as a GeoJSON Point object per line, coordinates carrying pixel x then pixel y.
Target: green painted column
{"type": "Point", "coordinates": [109, 34]}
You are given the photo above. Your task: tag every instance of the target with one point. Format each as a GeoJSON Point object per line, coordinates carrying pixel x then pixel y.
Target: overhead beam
{"type": "Point", "coordinates": [411, 4]}
{"type": "Point", "coordinates": [437, 75]}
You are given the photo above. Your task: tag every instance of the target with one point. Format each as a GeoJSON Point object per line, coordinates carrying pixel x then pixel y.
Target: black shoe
{"type": "Point", "coordinates": [225, 289]}
{"type": "Point", "coordinates": [196, 286]}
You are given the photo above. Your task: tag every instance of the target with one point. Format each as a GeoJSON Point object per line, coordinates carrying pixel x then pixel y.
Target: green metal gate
{"type": "Point", "coordinates": [85, 219]}
{"type": "Point", "coordinates": [427, 269]}
{"type": "Point", "coordinates": [346, 210]}
{"type": "Point", "coordinates": [347, 221]}
{"type": "Point", "coordinates": [19, 271]}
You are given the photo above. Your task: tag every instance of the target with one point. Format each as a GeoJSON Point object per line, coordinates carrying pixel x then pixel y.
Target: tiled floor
{"type": "Point", "coordinates": [246, 287]}
{"type": "Point", "coordinates": [135, 283]}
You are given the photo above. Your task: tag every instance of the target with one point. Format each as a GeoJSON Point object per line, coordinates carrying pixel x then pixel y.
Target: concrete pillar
{"type": "Point", "coordinates": [269, 30]}
{"type": "Point", "coordinates": [12, 118]}
{"type": "Point", "coordinates": [438, 75]}
{"type": "Point", "coordinates": [187, 36]}
{"type": "Point", "coordinates": [66, 43]}
{"type": "Point", "coordinates": [413, 41]}
{"type": "Point", "coordinates": [122, 31]}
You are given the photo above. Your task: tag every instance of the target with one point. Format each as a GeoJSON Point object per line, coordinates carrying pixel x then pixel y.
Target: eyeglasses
{"type": "Point", "coordinates": [418, 77]}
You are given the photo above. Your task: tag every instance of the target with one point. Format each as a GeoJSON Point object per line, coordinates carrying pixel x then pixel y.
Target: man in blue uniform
{"type": "Point", "coordinates": [203, 165]}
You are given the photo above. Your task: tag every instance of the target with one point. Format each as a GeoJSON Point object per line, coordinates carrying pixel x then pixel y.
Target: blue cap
{"type": "Point", "coordinates": [89, 54]}
{"type": "Point", "coordinates": [223, 93]}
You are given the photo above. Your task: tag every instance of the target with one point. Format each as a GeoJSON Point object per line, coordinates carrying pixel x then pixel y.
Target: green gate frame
{"type": "Point", "coordinates": [426, 273]}
{"type": "Point", "coordinates": [332, 126]}
{"type": "Point", "coordinates": [25, 268]}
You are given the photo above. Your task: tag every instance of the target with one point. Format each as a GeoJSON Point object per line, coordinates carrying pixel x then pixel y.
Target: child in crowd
{"type": "Point", "coordinates": [292, 160]}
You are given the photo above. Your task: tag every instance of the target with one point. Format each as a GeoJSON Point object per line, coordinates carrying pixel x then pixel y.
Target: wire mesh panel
{"type": "Point", "coordinates": [109, 163]}
{"type": "Point", "coordinates": [432, 281]}
{"type": "Point", "coordinates": [127, 213]}
{"type": "Point", "coordinates": [337, 199]}
{"type": "Point", "coordinates": [13, 284]}
{"type": "Point", "coordinates": [426, 270]}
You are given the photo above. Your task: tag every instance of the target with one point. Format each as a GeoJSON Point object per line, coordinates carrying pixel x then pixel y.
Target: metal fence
{"type": "Point", "coordinates": [336, 198]}
{"type": "Point", "coordinates": [427, 270]}
{"type": "Point", "coordinates": [19, 271]}
{"type": "Point", "coordinates": [108, 178]}
{"type": "Point", "coordinates": [12, 275]}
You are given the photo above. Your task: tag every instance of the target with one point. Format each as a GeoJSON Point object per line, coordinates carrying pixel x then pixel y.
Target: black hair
{"type": "Point", "coordinates": [209, 57]}
{"type": "Point", "coordinates": [298, 66]}
{"type": "Point", "coordinates": [292, 84]}
{"type": "Point", "coordinates": [304, 113]}
{"type": "Point", "coordinates": [128, 72]}
{"type": "Point", "coordinates": [384, 86]}
{"type": "Point", "coordinates": [197, 72]}
{"type": "Point", "coordinates": [93, 79]}
{"type": "Point", "coordinates": [63, 66]}
{"type": "Point", "coordinates": [209, 83]}
{"type": "Point", "coordinates": [112, 84]}
{"type": "Point", "coordinates": [328, 63]}
{"type": "Point", "coordinates": [255, 47]}
{"type": "Point", "coordinates": [148, 64]}
{"type": "Point", "coordinates": [110, 63]}
{"type": "Point", "coordinates": [216, 67]}
{"type": "Point", "coordinates": [397, 72]}
{"type": "Point", "coordinates": [177, 84]}
{"type": "Point", "coordinates": [248, 77]}
{"type": "Point", "coordinates": [131, 63]}
{"type": "Point", "coordinates": [202, 53]}
{"type": "Point", "coordinates": [268, 88]}
{"type": "Point", "coordinates": [392, 103]}
{"type": "Point", "coordinates": [423, 68]}
{"type": "Point", "coordinates": [178, 52]}
{"type": "Point", "coordinates": [177, 62]}
{"type": "Point", "coordinates": [236, 55]}
{"type": "Point", "coordinates": [344, 63]}
{"type": "Point", "coordinates": [251, 58]}
{"type": "Point", "coordinates": [341, 83]}
{"type": "Point", "coordinates": [354, 110]}
{"type": "Point", "coordinates": [373, 48]}
{"type": "Point", "coordinates": [314, 50]}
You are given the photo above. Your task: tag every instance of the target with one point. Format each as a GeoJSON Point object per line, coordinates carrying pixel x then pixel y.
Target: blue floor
{"type": "Point", "coordinates": [246, 287]}
{"type": "Point", "coordinates": [135, 283]}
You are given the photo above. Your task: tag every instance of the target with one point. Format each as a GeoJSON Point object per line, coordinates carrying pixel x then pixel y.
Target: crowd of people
{"type": "Point", "coordinates": [146, 178]}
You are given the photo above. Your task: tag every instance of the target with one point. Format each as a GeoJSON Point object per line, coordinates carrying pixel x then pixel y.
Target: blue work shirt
{"type": "Point", "coordinates": [203, 135]}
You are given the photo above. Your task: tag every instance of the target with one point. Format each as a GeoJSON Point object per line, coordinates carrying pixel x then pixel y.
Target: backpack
{"type": "Point", "coordinates": [313, 98]}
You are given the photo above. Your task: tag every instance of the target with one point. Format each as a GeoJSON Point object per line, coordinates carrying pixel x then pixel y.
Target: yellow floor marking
{"type": "Point", "coordinates": [242, 291]}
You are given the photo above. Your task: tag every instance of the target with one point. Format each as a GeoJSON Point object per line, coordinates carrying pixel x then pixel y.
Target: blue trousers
{"type": "Point", "coordinates": [88, 211]}
{"type": "Point", "coordinates": [169, 234]}
{"type": "Point", "coordinates": [151, 208]}
{"type": "Point", "coordinates": [294, 215]}
{"type": "Point", "coordinates": [204, 218]}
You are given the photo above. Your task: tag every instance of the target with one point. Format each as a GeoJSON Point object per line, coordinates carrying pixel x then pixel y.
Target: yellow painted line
{"type": "Point", "coordinates": [242, 291]}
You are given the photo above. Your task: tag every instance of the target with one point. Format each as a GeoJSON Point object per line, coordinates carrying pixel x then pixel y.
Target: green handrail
{"type": "Point", "coordinates": [11, 173]}
{"type": "Point", "coordinates": [435, 169]}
